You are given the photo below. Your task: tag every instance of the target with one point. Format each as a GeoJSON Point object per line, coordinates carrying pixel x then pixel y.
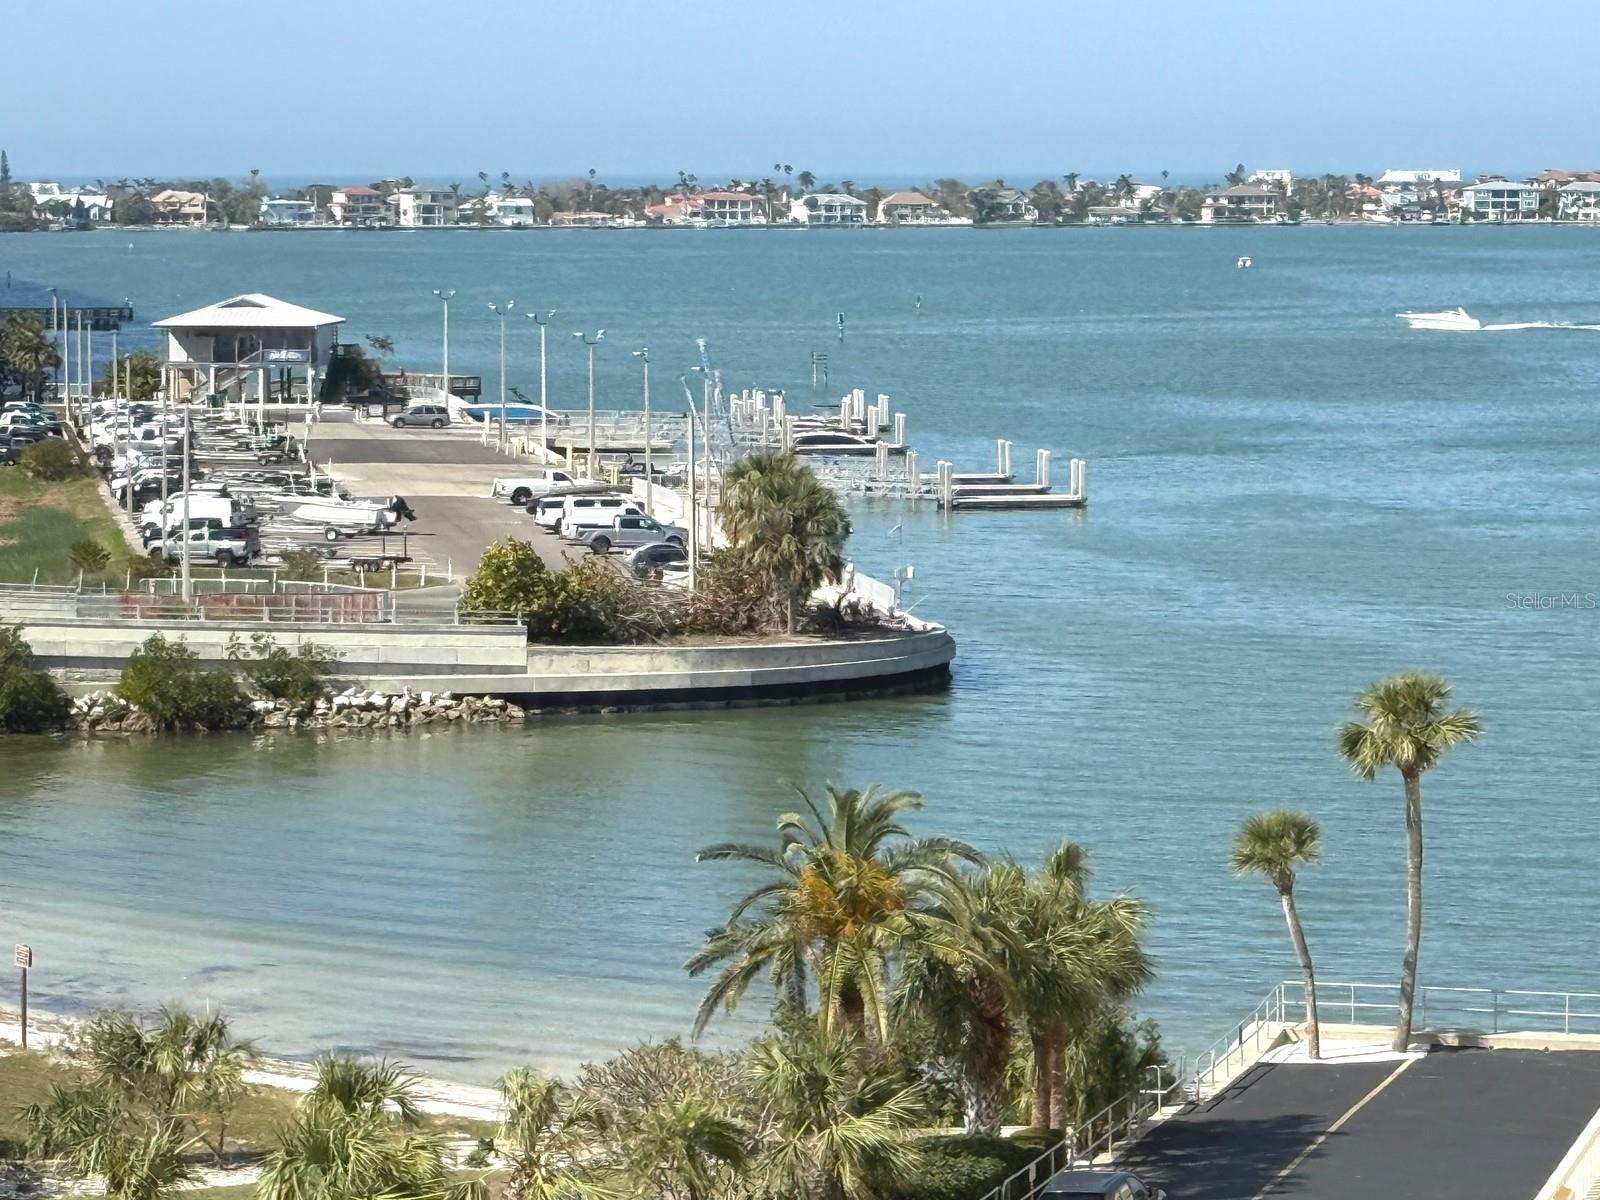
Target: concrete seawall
{"type": "Point", "coordinates": [497, 661]}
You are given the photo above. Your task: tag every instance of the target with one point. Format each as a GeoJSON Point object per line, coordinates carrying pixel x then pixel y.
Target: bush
{"type": "Point", "coordinates": [164, 679]}
{"type": "Point", "coordinates": [89, 556]}
{"type": "Point", "coordinates": [30, 701]}
{"type": "Point", "coordinates": [587, 602]}
{"type": "Point", "coordinates": [963, 1167]}
{"type": "Point", "coordinates": [298, 675]}
{"type": "Point", "coordinates": [509, 578]}
{"type": "Point", "coordinates": [302, 564]}
{"type": "Point", "coordinates": [50, 460]}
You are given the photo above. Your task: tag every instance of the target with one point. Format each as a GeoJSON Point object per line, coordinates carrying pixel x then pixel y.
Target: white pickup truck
{"type": "Point", "coordinates": [520, 489]}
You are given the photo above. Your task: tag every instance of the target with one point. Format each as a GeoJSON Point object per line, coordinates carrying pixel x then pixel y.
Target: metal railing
{"type": "Point", "coordinates": [1241, 1045]}
{"type": "Point", "coordinates": [321, 606]}
{"type": "Point", "coordinates": [1456, 1009]}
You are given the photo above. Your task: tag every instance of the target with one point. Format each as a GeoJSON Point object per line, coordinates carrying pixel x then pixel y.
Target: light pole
{"type": "Point", "coordinates": [591, 343]}
{"type": "Point", "coordinates": [544, 399]}
{"type": "Point", "coordinates": [694, 531]}
{"type": "Point", "coordinates": [503, 313]}
{"type": "Point", "coordinates": [55, 336]}
{"type": "Point", "coordinates": [444, 295]}
{"type": "Point", "coordinates": [643, 354]}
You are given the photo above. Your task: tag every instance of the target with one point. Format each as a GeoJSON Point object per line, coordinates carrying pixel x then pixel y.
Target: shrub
{"type": "Point", "coordinates": [302, 564]}
{"type": "Point", "coordinates": [964, 1167]}
{"type": "Point", "coordinates": [30, 701]}
{"type": "Point", "coordinates": [89, 556]}
{"type": "Point", "coordinates": [587, 602]}
{"type": "Point", "coordinates": [49, 460]}
{"type": "Point", "coordinates": [298, 675]}
{"type": "Point", "coordinates": [164, 679]}
{"type": "Point", "coordinates": [509, 578]}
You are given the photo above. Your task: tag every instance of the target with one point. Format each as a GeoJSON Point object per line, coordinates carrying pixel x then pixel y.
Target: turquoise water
{"type": "Point", "coordinates": [1291, 494]}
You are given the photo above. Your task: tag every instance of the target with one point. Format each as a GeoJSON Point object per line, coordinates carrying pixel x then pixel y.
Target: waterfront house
{"type": "Point", "coordinates": [280, 213]}
{"type": "Point", "coordinates": [424, 208]}
{"type": "Point", "coordinates": [1243, 202]}
{"type": "Point", "coordinates": [515, 212]}
{"type": "Point", "coordinates": [584, 220]}
{"type": "Point", "coordinates": [1410, 184]}
{"type": "Point", "coordinates": [1501, 200]}
{"type": "Point", "coordinates": [247, 348]}
{"type": "Point", "coordinates": [1553, 180]}
{"type": "Point", "coordinates": [1579, 201]}
{"type": "Point", "coordinates": [82, 205]}
{"type": "Point", "coordinates": [1279, 178]}
{"type": "Point", "coordinates": [910, 208]}
{"type": "Point", "coordinates": [829, 209]}
{"type": "Point", "coordinates": [994, 205]}
{"type": "Point", "coordinates": [360, 207]}
{"type": "Point", "coordinates": [729, 208]}
{"type": "Point", "coordinates": [179, 208]}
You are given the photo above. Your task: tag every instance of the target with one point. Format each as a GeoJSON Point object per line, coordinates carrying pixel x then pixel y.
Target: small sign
{"type": "Point", "coordinates": [286, 356]}
{"type": "Point", "coordinates": [22, 956]}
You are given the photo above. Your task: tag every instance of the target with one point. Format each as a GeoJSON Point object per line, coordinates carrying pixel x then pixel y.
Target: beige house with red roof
{"type": "Point", "coordinates": [709, 208]}
{"type": "Point", "coordinates": [357, 206]}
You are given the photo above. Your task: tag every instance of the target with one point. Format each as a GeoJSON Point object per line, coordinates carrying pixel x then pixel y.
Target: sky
{"type": "Point", "coordinates": [875, 90]}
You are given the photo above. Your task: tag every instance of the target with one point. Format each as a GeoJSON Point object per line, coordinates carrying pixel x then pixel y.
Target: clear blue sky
{"type": "Point", "coordinates": [355, 89]}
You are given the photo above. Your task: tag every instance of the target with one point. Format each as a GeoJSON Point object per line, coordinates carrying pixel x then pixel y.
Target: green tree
{"type": "Point", "coordinates": [299, 675]}
{"type": "Point", "coordinates": [137, 375]}
{"type": "Point", "coordinates": [835, 907]}
{"type": "Point", "coordinates": [165, 680]}
{"type": "Point", "coordinates": [546, 1134]}
{"type": "Point", "coordinates": [788, 525]}
{"type": "Point", "coordinates": [30, 700]}
{"type": "Point", "coordinates": [843, 1116]}
{"type": "Point", "coordinates": [1407, 726]}
{"type": "Point", "coordinates": [27, 352]}
{"type": "Point", "coordinates": [1272, 844]}
{"type": "Point", "coordinates": [509, 578]}
{"type": "Point", "coordinates": [355, 1135]}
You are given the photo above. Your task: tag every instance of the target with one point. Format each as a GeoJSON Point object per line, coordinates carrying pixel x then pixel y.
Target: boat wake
{"type": "Point", "coordinates": [1456, 320]}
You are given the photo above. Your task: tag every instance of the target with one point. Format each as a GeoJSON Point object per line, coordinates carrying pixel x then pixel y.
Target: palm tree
{"type": "Point", "coordinates": [1271, 844]}
{"type": "Point", "coordinates": [789, 527]}
{"type": "Point", "coordinates": [344, 1142]}
{"type": "Point", "coordinates": [836, 907]}
{"type": "Point", "coordinates": [1407, 727]}
{"type": "Point", "coordinates": [27, 348]}
{"type": "Point", "coordinates": [678, 1150]}
{"type": "Point", "coordinates": [842, 1118]}
{"type": "Point", "coordinates": [806, 180]}
{"type": "Point", "coordinates": [544, 1134]}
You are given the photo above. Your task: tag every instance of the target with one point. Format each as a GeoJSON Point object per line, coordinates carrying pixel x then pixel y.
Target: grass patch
{"type": "Point", "coordinates": [39, 522]}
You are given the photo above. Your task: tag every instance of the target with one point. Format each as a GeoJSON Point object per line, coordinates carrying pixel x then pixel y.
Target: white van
{"type": "Point", "coordinates": [549, 510]}
{"type": "Point", "coordinates": [594, 512]}
{"type": "Point", "coordinates": [201, 504]}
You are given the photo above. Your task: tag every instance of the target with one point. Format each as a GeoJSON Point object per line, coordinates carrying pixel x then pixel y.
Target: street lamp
{"type": "Point", "coordinates": [503, 313]}
{"type": "Point", "coordinates": [643, 354]}
{"type": "Point", "coordinates": [444, 295]}
{"type": "Point", "coordinates": [544, 402]}
{"type": "Point", "coordinates": [591, 343]}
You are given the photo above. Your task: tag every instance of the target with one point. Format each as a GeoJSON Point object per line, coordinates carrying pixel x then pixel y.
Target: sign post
{"type": "Point", "coordinates": [23, 957]}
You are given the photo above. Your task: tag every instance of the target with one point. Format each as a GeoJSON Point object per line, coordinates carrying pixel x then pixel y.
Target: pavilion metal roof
{"type": "Point", "coordinates": [250, 311]}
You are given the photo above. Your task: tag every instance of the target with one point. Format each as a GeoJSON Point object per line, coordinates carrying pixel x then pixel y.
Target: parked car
{"type": "Point", "coordinates": [434, 416]}
{"type": "Point", "coordinates": [625, 531]}
{"type": "Point", "coordinates": [552, 510]}
{"type": "Point", "coordinates": [11, 448]}
{"type": "Point", "coordinates": [23, 419]}
{"type": "Point", "coordinates": [219, 545]}
{"type": "Point", "coordinates": [584, 513]}
{"type": "Point", "coordinates": [1098, 1185]}
{"type": "Point", "coordinates": [652, 559]}
{"type": "Point", "coordinates": [521, 490]}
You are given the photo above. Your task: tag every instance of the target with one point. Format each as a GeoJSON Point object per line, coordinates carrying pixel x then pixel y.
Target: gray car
{"type": "Point", "coordinates": [433, 416]}
{"type": "Point", "coordinates": [1098, 1185]}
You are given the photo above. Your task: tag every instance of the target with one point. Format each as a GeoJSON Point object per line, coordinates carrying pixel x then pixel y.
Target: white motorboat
{"type": "Point", "coordinates": [345, 514]}
{"type": "Point", "coordinates": [1455, 319]}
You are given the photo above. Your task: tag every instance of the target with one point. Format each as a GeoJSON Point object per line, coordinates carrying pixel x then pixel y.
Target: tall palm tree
{"type": "Point", "coordinates": [1407, 727]}
{"type": "Point", "coordinates": [27, 348]}
{"type": "Point", "coordinates": [1272, 844]}
{"type": "Point", "coordinates": [842, 1117]}
{"type": "Point", "coordinates": [789, 527]}
{"type": "Point", "coordinates": [806, 180]}
{"type": "Point", "coordinates": [836, 907]}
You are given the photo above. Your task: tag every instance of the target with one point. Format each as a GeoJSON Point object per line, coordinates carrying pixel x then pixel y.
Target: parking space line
{"type": "Point", "coordinates": [1317, 1141]}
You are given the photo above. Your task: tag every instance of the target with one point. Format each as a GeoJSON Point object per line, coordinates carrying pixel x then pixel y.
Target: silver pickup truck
{"type": "Point", "coordinates": [628, 531]}
{"type": "Point", "coordinates": [218, 545]}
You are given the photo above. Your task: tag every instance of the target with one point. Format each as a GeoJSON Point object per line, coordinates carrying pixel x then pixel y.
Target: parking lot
{"type": "Point", "coordinates": [444, 475]}
{"type": "Point", "coordinates": [1455, 1124]}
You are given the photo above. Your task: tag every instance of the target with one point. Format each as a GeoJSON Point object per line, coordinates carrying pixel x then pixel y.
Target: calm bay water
{"type": "Point", "coordinates": [1292, 494]}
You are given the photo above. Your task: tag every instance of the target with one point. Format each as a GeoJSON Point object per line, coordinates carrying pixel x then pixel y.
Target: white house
{"type": "Point", "coordinates": [1004, 204]}
{"type": "Point", "coordinates": [249, 347]}
{"type": "Point", "coordinates": [52, 200]}
{"type": "Point", "coordinates": [1244, 202]}
{"type": "Point", "coordinates": [424, 208]}
{"type": "Point", "coordinates": [513, 211]}
{"type": "Point", "coordinates": [1413, 182]}
{"type": "Point", "coordinates": [829, 208]}
{"type": "Point", "coordinates": [1274, 177]}
{"type": "Point", "coordinates": [1501, 200]}
{"type": "Point", "coordinates": [278, 212]}
{"type": "Point", "coordinates": [1579, 201]}
{"type": "Point", "coordinates": [357, 206]}
{"type": "Point", "coordinates": [729, 208]}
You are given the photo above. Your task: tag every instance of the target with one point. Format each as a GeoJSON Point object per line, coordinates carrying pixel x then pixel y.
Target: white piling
{"type": "Point", "coordinates": [913, 480]}
{"type": "Point", "coordinates": [1006, 470]}
{"type": "Point", "coordinates": [788, 434]}
{"type": "Point", "coordinates": [1041, 468]}
{"type": "Point", "coordinates": [900, 429]}
{"type": "Point", "coordinates": [880, 453]}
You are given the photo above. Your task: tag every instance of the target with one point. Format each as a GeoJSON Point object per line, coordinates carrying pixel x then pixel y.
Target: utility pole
{"type": "Point", "coordinates": [694, 532]}
{"type": "Point", "coordinates": [444, 294]}
{"type": "Point", "coordinates": [503, 314]}
{"type": "Point", "coordinates": [544, 395]}
{"type": "Point", "coordinates": [591, 343]}
{"type": "Point", "coordinates": [183, 536]}
{"type": "Point", "coordinates": [643, 355]}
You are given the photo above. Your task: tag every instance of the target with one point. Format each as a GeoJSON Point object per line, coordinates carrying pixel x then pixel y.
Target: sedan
{"type": "Point", "coordinates": [648, 561]}
{"type": "Point", "coordinates": [433, 416]}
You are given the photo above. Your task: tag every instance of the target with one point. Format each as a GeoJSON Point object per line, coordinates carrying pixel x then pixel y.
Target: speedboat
{"type": "Point", "coordinates": [1455, 319]}
{"type": "Point", "coordinates": [516, 414]}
